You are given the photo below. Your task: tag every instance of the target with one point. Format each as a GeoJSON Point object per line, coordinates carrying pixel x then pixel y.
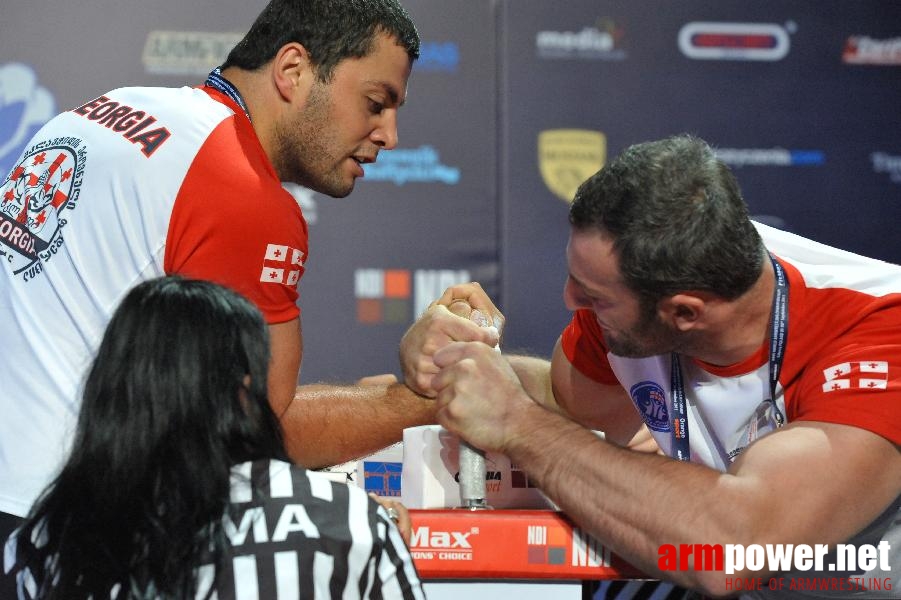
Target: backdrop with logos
{"type": "Point", "coordinates": [511, 106]}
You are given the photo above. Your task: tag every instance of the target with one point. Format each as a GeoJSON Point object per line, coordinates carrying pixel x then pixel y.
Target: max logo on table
{"type": "Point", "coordinates": [424, 538]}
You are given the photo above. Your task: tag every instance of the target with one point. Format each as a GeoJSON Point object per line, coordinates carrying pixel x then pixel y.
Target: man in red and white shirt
{"type": "Point", "coordinates": [767, 365]}
{"type": "Point", "coordinates": [141, 182]}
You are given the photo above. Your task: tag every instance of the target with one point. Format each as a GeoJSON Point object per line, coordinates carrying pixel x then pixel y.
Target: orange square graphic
{"type": "Point", "coordinates": [556, 536]}
{"type": "Point", "coordinates": [397, 283]}
{"type": "Point", "coordinates": [369, 310]}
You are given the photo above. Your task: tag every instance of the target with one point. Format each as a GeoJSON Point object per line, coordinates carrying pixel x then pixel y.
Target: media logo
{"type": "Point", "coordinates": [385, 295]}
{"type": "Point", "coordinates": [887, 163]}
{"type": "Point", "coordinates": [735, 41]}
{"type": "Point", "coordinates": [567, 157]}
{"type": "Point", "coordinates": [600, 42]}
{"type": "Point", "coordinates": [419, 165]}
{"type": "Point", "coordinates": [864, 50]}
{"type": "Point", "coordinates": [770, 157]}
{"type": "Point", "coordinates": [186, 52]}
{"type": "Point", "coordinates": [438, 57]}
{"type": "Point", "coordinates": [25, 106]}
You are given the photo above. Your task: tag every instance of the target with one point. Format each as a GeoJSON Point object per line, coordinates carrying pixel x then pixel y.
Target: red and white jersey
{"type": "Point", "coordinates": [842, 360]}
{"type": "Point", "coordinates": [842, 364]}
{"type": "Point", "coordinates": [137, 183]}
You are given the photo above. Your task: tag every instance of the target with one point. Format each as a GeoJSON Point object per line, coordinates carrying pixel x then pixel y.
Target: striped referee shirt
{"type": "Point", "coordinates": [297, 535]}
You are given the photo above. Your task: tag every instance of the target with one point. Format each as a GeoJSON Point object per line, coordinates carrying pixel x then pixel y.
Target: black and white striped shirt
{"type": "Point", "coordinates": [298, 535]}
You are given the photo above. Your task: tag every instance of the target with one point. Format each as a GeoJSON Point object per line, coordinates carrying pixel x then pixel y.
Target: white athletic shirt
{"type": "Point", "coordinates": [135, 184]}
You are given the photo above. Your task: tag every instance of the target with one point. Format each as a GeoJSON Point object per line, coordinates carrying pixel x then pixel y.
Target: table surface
{"type": "Point", "coordinates": [509, 544]}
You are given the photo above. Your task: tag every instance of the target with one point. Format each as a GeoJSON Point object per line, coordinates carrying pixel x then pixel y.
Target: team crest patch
{"type": "Point", "coordinates": [33, 204]}
{"type": "Point", "coordinates": [650, 400]}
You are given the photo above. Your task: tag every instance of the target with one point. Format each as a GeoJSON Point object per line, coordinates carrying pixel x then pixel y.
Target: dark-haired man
{"type": "Point", "coordinates": [767, 368]}
{"type": "Point", "coordinates": [141, 182]}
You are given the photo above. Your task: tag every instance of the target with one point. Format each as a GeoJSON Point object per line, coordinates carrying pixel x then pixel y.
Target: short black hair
{"type": "Point", "coordinates": [677, 219]}
{"type": "Point", "coordinates": [330, 30]}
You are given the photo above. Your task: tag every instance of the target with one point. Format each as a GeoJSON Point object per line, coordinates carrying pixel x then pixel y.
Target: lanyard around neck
{"type": "Point", "coordinates": [216, 81]}
{"type": "Point", "coordinates": [778, 339]}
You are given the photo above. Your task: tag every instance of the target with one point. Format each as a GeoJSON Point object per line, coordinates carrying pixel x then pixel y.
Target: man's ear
{"type": "Point", "coordinates": [292, 71]}
{"type": "Point", "coordinates": [683, 311]}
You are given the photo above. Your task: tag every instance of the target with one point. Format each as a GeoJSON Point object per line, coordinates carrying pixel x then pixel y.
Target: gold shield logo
{"type": "Point", "coordinates": [567, 157]}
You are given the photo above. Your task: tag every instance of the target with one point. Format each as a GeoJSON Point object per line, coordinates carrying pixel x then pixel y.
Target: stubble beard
{"type": "Point", "coordinates": [306, 148]}
{"type": "Point", "coordinates": [649, 337]}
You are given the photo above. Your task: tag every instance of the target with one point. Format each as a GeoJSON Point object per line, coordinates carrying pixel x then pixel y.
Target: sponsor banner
{"type": "Point", "coordinates": [509, 544]}
{"type": "Point", "coordinates": [399, 295]}
{"type": "Point", "coordinates": [770, 157]}
{"type": "Point", "coordinates": [734, 41]}
{"type": "Point", "coordinates": [864, 50]}
{"type": "Point", "coordinates": [567, 157]}
{"type": "Point", "coordinates": [890, 164]}
{"type": "Point", "coordinates": [600, 42]}
{"type": "Point", "coordinates": [443, 57]}
{"type": "Point", "coordinates": [415, 165]}
{"type": "Point", "coordinates": [186, 52]}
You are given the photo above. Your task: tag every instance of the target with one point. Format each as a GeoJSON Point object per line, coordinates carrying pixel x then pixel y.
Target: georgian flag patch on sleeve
{"type": "Point", "coordinates": [869, 375]}
{"type": "Point", "coordinates": [282, 264]}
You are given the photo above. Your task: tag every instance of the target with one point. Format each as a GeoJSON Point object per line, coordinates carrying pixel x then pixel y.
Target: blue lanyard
{"type": "Point", "coordinates": [216, 81]}
{"type": "Point", "coordinates": [778, 339]}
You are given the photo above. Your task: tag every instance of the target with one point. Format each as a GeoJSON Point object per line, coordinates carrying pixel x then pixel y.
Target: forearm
{"type": "Point", "coordinates": [535, 376]}
{"type": "Point", "coordinates": [632, 502]}
{"type": "Point", "coordinates": [326, 424]}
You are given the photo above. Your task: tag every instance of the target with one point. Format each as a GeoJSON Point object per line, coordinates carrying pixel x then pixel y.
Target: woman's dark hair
{"type": "Point", "coordinates": [167, 410]}
{"type": "Point", "coordinates": [330, 30]}
{"type": "Point", "coordinates": [677, 219]}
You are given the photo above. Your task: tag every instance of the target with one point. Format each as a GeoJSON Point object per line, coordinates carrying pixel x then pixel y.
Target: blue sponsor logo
{"type": "Point", "coordinates": [771, 157]}
{"type": "Point", "coordinates": [650, 400]}
{"type": "Point", "coordinates": [807, 157]}
{"type": "Point", "coordinates": [382, 478]}
{"type": "Point", "coordinates": [24, 108]}
{"type": "Point", "coordinates": [421, 165]}
{"type": "Point", "coordinates": [438, 56]}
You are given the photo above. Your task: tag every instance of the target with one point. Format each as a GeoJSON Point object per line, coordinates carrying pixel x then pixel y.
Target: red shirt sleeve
{"type": "Point", "coordinates": [233, 223]}
{"type": "Point", "coordinates": [856, 380]}
{"type": "Point", "coordinates": [583, 344]}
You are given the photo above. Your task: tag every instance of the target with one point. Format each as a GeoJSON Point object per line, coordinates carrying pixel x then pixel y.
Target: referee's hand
{"type": "Point", "coordinates": [398, 513]}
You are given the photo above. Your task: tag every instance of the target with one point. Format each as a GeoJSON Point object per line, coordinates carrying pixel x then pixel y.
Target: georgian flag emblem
{"type": "Point", "coordinates": [282, 264]}
{"type": "Point", "coordinates": [868, 375]}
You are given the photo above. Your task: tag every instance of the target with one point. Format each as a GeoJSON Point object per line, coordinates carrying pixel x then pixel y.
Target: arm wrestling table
{"type": "Point", "coordinates": [491, 545]}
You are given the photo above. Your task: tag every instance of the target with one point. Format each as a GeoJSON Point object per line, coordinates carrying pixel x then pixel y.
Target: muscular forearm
{"type": "Point", "coordinates": [535, 376]}
{"type": "Point", "coordinates": [326, 425]}
{"type": "Point", "coordinates": [627, 500]}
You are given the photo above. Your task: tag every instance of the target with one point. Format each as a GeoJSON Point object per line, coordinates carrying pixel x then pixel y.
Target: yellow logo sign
{"type": "Point", "coordinates": [567, 157]}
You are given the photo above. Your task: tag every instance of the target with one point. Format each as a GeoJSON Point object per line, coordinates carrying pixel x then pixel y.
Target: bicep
{"type": "Point", "coordinates": [286, 354]}
{"type": "Point", "coordinates": [595, 405]}
{"type": "Point", "coordinates": [807, 478]}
